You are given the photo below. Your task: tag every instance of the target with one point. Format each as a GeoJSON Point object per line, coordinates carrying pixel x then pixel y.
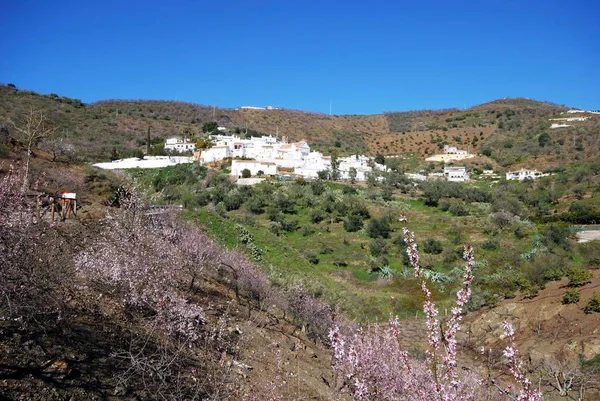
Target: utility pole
{"type": "Point", "coordinates": [148, 143]}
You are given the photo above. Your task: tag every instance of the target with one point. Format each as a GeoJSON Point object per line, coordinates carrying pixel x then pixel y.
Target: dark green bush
{"type": "Point", "coordinates": [554, 274]}
{"type": "Point", "coordinates": [592, 304]}
{"type": "Point", "coordinates": [4, 151]}
{"type": "Point", "coordinates": [571, 297]}
{"type": "Point", "coordinates": [578, 277]}
{"type": "Point", "coordinates": [317, 215]}
{"type": "Point", "coordinates": [353, 223]}
{"type": "Point", "coordinates": [290, 225]}
{"type": "Point", "coordinates": [233, 201]}
{"type": "Point", "coordinates": [339, 262]}
{"type": "Point", "coordinates": [255, 205]}
{"type": "Point", "coordinates": [311, 257]}
{"type": "Point", "coordinates": [433, 246]}
{"type": "Point", "coordinates": [378, 228]}
{"type": "Point", "coordinates": [378, 247]}
{"type": "Point", "coordinates": [325, 249]}
{"type": "Point", "coordinates": [490, 245]}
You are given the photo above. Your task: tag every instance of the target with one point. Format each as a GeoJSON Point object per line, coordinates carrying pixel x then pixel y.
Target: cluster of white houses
{"type": "Point", "coordinates": [267, 155]}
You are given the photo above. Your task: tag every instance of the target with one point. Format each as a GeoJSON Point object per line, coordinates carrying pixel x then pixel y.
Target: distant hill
{"type": "Point", "coordinates": [508, 129]}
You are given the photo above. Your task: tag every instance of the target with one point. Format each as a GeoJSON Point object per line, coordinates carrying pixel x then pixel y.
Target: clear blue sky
{"type": "Point", "coordinates": [365, 57]}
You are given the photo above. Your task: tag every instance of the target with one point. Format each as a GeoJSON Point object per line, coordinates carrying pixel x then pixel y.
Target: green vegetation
{"type": "Point", "coordinates": [592, 304]}
{"type": "Point", "coordinates": [578, 277]}
{"type": "Point", "coordinates": [341, 240]}
{"type": "Point", "coordinates": [571, 297]}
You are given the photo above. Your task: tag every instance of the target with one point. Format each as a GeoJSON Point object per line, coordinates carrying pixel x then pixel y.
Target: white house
{"type": "Point", "coordinates": [254, 166]}
{"type": "Point", "coordinates": [453, 150]}
{"type": "Point", "coordinates": [456, 174]}
{"type": "Point", "coordinates": [214, 154]}
{"type": "Point", "coordinates": [523, 174]}
{"type": "Point", "coordinates": [179, 145]}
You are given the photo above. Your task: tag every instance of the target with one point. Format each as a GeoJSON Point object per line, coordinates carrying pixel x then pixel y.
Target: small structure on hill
{"type": "Point", "coordinates": [253, 166]}
{"type": "Point", "coordinates": [554, 126]}
{"type": "Point", "coordinates": [179, 145]}
{"type": "Point", "coordinates": [453, 150]}
{"type": "Point", "coordinates": [523, 174]}
{"type": "Point", "coordinates": [456, 174]}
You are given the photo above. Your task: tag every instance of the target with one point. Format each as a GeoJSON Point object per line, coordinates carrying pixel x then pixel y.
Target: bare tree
{"type": "Point", "coordinates": [30, 130]}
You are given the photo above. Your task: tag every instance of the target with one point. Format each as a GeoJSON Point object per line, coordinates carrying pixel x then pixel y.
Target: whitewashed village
{"type": "Point", "coordinates": [255, 158]}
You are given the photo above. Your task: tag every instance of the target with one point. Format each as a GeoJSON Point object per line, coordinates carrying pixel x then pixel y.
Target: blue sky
{"type": "Point", "coordinates": [365, 57]}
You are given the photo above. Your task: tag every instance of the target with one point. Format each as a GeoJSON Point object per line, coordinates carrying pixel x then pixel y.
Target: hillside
{"type": "Point", "coordinates": [507, 130]}
{"type": "Point", "coordinates": [75, 330]}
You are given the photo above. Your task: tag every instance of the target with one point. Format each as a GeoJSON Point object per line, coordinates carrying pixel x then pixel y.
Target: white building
{"type": "Point", "coordinates": [456, 174]}
{"type": "Point", "coordinates": [254, 166]}
{"type": "Point", "coordinates": [179, 145]}
{"type": "Point", "coordinates": [554, 126]}
{"type": "Point", "coordinates": [453, 150]}
{"type": "Point", "coordinates": [146, 162]}
{"type": "Point", "coordinates": [523, 174]}
{"type": "Point", "coordinates": [215, 154]}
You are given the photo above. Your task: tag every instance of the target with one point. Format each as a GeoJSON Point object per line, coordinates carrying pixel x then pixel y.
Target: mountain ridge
{"type": "Point", "coordinates": [103, 128]}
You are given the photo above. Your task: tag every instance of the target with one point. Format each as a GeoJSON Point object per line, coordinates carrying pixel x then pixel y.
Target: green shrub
{"type": "Point", "coordinates": [353, 223]}
{"type": "Point", "coordinates": [325, 249]}
{"type": "Point", "coordinates": [289, 225]}
{"type": "Point", "coordinates": [275, 227]}
{"type": "Point", "coordinates": [571, 297]}
{"type": "Point", "coordinates": [578, 277]}
{"type": "Point", "coordinates": [4, 151]}
{"type": "Point", "coordinates": [592, 304]}
{"type": "Point", "coordinates": [311, 257]}
{"type": "Point", "coordinates": [233, 201]}
{"type": "Point", "coordinates": [378, 228]}
{"type": "Point", "coordinates": [317, 215]}
{"type": "Point", "coordinates": [378, 247]}
{"type": "Point", "coordinates": [458, 209]}
{"type": "Point", "coordinates": [307, 230]}
{"type": "Point", "coordinates": [317, 187]}
{"type": "Point", "coordinates": [339, 262]}
{"type": "Point", "coordinates": [490, 245]}
{"type": "Point", "coordinates": [554, 274]}
{"type": "Point", "coordinates": [432, 246]}
{"type": "Point", "coordinates": [528, 290]}
{"type": "Point", "coordinates": [274, 214]}
{"type": "Point", "coordinates": [246, 173]}
{"type": "Point", "coordinates": [348, 190]}
{"type": "Point", "coordinates": [255, 205]}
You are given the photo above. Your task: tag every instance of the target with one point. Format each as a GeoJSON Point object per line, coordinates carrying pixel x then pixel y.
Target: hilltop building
{"type": "Point", "coordinates": [453, 150]}
{"type": "Point", "coordinates": [179, 145]}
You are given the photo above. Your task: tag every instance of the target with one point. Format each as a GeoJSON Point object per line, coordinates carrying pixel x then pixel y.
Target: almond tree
{"type": "Point", "coordinates": [376, 366]}
{"type": "Point", "coordinates": [33, 127]}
